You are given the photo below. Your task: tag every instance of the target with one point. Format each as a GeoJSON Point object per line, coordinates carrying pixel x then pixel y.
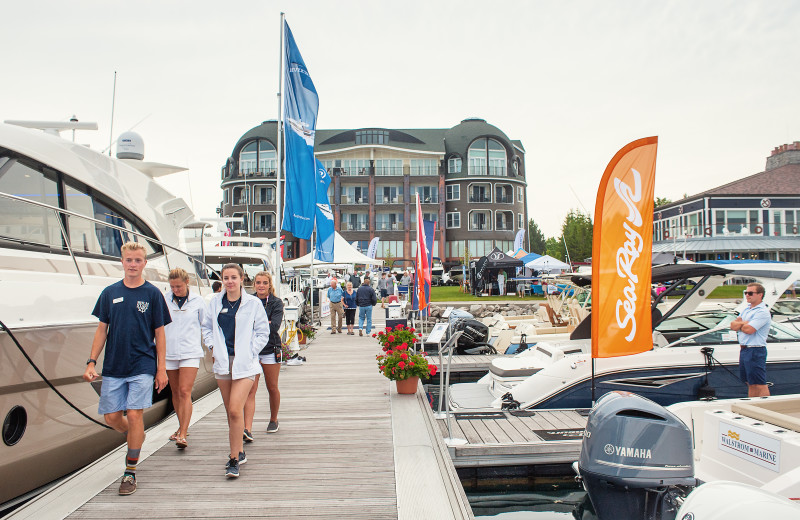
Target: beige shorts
{"type": "Point", "coordinates": [228, 376]}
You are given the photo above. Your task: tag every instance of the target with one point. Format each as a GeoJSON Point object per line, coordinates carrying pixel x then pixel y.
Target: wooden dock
{"type": "Point", "coordinates": [515, 438]}
{"type": "Point", "coordinates": [476, 363]}
{"type": "Point", "coordinates": [348, 447]}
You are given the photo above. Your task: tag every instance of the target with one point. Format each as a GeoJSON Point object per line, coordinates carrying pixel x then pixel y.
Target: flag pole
{"type": "Point", "coordinates": [279, 172]}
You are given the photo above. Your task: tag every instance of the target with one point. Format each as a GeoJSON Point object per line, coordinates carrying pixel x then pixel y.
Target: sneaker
{"type": "Point", "coordinates": [242, 457]}
{"type": "Point", "coordinates": [232, 468]}
{"type": "Point", "coordinates": [273, 427]}
{"type": "Point", "coordinates": [360, 332]}
{"type": "Point", "coordinates": [294, 362]}
{"type": "Point", "coordinates": [128, 485]}
{"type": "Point", "coordinates": [339, 331]}
{"type": "Point", "coordinates": [333, 332]}
{"type": "Point", "coordinates": [247, 437]}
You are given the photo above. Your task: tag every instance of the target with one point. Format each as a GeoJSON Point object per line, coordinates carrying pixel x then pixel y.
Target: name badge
{"type": "Point", "coordinates": [118, 300]}
{"type": "Point", "coordinates": [224, 311]}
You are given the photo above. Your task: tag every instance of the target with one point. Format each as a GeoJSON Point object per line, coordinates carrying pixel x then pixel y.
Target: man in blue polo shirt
{"type": "Point", "coordinates": [132, 314]}
{"type": "Point", "coordinates": [335, 295]}
{"type": "Point", "coordinates": [752, 326]}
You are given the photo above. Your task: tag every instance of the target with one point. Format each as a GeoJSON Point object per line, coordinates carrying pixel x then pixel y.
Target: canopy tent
{"type": "Point", "coordinates": [497, 260]}
{"type": "Point", "coordinates": [548, 264]}
{"type": "Point", "coordinates": [530, 257]}
{"type": "Point", "coordinates": [519, 253]}
{"type": "Point", "coordinates": [343, 253]}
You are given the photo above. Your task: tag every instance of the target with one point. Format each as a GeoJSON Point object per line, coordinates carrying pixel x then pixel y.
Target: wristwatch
{"type": "Point", "coordinates": [90, 360]}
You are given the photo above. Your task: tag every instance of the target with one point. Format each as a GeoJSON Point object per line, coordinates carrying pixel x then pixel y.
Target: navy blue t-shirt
{"type": "Point", "coordinates": [132, 315]}
{"type": "Point", "coordinates": [227, 322]}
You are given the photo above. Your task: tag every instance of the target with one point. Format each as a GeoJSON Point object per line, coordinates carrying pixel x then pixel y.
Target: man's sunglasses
{"type": "Point", "coordinates": [749, 293]}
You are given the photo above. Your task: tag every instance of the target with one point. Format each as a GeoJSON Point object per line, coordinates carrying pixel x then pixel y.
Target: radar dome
{"type": "Point", "coordinates": [130, 146]}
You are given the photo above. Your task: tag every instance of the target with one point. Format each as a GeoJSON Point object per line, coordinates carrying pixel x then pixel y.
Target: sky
{"type": "Point", "coordinates": [573, 80]}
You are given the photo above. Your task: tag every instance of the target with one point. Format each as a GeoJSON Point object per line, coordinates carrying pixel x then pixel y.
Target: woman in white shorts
{"type": "Point", "coordinates": [184, 348]}
{"type": "Point", "coordinates": [273, 306]}
{"type": "Point", "coordinates": [235, 329]}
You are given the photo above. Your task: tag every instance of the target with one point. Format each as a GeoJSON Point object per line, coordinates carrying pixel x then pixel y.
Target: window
{"type": "Point", "coordinates": [504, 193]}
{"type": "Point", "coordinates": [479, 247]}
{"type": "Point", "coordinates": [480, 192]}
{"type": "Point", "coordinates": [454, 249]}
{"type": "Point", "coordinates": [480, 220]}
{"type": "Point", "coordinates": [24, 222]}
{"type": "Point", "coordinates": [453, 192]}
{"type": "Point", "coordinates": [427, 194]}
{"type": "Point", "coordinates": [263, 222]}
{"type": "Point", "coordinates": [393, 247]}
{"type": "Point", "coordinates": [355, 195]}
{"type": "Point", "coordinates": [434, 253]}
{"type": "Point", "coordinates": [388, 194]}
{"type": "Point", "coordinates": [239, 225]}
{"type": "Point", "coordinates": [267, 158]}
{"type": "Point", "coordinates": [433, 217]}
{"type": "Point", "coordinates": [372, 137]}
{"type": "Point", "coordinates": [355, 222]}
{"type": "Point", "coordinates": [424, 167]}
{"type": "Point", "coordinates": [454, 165]}
{"type": "Point", "coordinates": [264, 195]}
{"type": "Point", "coordinates": [520, 221]}
{"type": "Point", "coordinates": [350, 167]}
{"type": "Point", "coordinates": [487, 157]}
{"type": "Point", "coordinates": [785, 222]}
{"type": "Point", "coordinates": [386, 167]}
{"type": "Point", "coordinates": [248, 158]}
{"type": "Point", "coordinates": [504, 221]}
{"type": "Point", "coordinates": [225, 196]}
{"type": "Point", "coordinates": [519, 193]}
{"type": "Point", "coordinates": [388, 221]}
{"type": "Point", "coordinates": [726, 222]}
{"type": "Point", "coordinates": [240, 195]}
{"type": "Point", "coordinates": [453, 220]}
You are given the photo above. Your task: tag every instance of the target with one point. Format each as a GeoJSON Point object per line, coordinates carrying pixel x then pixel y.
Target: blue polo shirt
{"type": "Point", "coordinates": [760, 319]}
{"type": "Point", "coordinates": [227, 322]}
{"type": "Point", "coordinates": [132, 316]}
{"type": "Point", "coordinates": [335, 295]}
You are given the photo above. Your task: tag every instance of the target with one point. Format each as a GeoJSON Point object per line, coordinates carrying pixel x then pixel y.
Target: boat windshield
{"type": "Point", "coordinates": [714, 328]}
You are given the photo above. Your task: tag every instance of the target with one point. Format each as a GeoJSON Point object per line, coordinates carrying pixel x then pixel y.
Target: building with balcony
{"type": "Point", "coordinates": [470, 179]}
{"type": "Point", "coordinates": [757, 217]}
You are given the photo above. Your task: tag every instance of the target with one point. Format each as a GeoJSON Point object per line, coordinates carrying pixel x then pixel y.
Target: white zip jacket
{"type": "Point", "coordinates": [183, 334]}
{"type": "Point", "coordinates": [252, 333]}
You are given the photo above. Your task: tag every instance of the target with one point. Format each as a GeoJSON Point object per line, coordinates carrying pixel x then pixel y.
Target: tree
{"type": "Point", "coordinates": [661, 201]}
{"type": "Point", "coordinates": [536, 238]}
{"type": "Point", "coordinates": [576, 233]}
{"type": "Point", "coordinates": [554, 248]}
{"type": "Point", "coordinates": [389, 259]}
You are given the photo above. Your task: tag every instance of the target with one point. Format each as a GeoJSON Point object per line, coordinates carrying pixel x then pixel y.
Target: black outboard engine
{"type": "Point", "coordinates": [636, 459]}
{"type": "Point", "coordinates": [474, 339]}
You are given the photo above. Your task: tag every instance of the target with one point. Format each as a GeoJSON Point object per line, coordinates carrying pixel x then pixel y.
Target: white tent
{"type": "Point", "coordinates": [343, 253]}
{"type": "Point", "coordinates": [547, 264]}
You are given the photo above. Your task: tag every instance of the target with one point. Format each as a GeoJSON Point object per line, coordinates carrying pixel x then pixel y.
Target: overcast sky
{"type": "Point", "coordinates": [716, 81]}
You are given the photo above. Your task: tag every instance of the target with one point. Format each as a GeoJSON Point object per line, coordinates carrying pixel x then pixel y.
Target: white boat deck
{"type": "Point", "coordinates": [348, 447]}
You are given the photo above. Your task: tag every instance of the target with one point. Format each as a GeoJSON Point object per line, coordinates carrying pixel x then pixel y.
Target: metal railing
{"type": "Point", "coordinates": [59, 212]}
{"type": "Point", "coordinates": [444, 383]}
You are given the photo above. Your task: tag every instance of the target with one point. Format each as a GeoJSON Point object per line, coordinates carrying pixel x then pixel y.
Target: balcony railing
{"type": "Point", "coordinates": [479, 227]}
{"type": "Point", "coordinates": [358, 226]}
{"type": "Point", "coordinates": [389, 200]}
{"type": "Point", "coordinates": [354, 200]}
{"type": "Point", "coordinates": [505, 200]}
{"type": "Point", "coordinates": [386, 171]}
{"type": "Point", "coordinates": [267, 200]}
{"type": "Point", "coordinates": [263, 229]}
{"type": "Point", "coordinates": [479, 198]}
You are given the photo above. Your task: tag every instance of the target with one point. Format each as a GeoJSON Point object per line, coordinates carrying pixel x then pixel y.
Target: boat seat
{"type": "Point", "coordinates": [513, 372]}
{"type": "Point", "coordinates": [784, 413]}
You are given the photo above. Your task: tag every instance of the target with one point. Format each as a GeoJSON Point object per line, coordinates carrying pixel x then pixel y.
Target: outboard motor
{"type": "Point", "coordinates": [474, 339]}
{"type": "Point", "coordinates": [636, 459]}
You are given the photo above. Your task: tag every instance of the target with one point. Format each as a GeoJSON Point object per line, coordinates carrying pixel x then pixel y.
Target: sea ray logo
{"type": "Point", "coordinates": [301, 128]}
{"type": "Point", "coordinates": [142, 306]}
{"type": "Point", "coordinates": [629, 252]}
{"type": "Point", "coordinates": [325, 209]}
{"type": "Point", "coordinates": [626, 451]}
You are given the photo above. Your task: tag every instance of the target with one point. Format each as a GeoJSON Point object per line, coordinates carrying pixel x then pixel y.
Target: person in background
{"type": "Point", "coordinates": [356, 280]}
{"type": "Point", "coordinates": [270, 364]}
{"type": "Point", "coordinates": [349, 301]}
{"type": "Point", "coordinates": [132, 315]}
{"type": "Point", "coordinates": [216, 286]}
{"type": "Point", "coordinates": [235, 329]}
{"type": "Point", "coordinates": [335, 294]}
{"type": "Point", "coordinates": [184, 348]}
{"type": "Point", "coordinates": [501, 283]}
{"type": "Point", "coordinates": [752, 326]}
{"type": "Point", "coordinates": [383, 287]}
{"type": "Point", "coordinates": [365, 300]}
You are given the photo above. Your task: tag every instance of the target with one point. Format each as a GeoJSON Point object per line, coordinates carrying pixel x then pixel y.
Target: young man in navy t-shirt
{"type": "Point", "coordinates": [132, 314]}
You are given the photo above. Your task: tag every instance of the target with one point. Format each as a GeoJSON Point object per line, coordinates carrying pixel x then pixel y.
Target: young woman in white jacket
{"type": "Point", "coordinates": [235, 329]}
{"type": "Point", "coordinates": [184, 348]}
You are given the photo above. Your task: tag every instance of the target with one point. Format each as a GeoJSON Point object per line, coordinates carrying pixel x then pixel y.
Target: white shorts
{"type": "Point", "coordinates": [268, 359]}
{"type": "Point", "coordinates": [175, 364]}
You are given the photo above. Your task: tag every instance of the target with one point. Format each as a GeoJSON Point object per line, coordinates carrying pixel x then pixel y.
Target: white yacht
{"type": "Point", "coordinates": [694, 354]}
{"type": "Point", "coordinates": [65, 210]}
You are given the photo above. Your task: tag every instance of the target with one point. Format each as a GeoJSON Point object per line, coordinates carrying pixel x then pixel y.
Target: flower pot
{"type": "Point", "coordinates": [407, 386]}
{"type": "Point", "coordinates": [302, 341]}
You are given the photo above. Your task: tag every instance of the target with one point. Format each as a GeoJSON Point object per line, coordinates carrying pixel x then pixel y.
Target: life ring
{"type": "Point", "coordinates": [707, 231]}
{"type": "Point", "coordinates": [794, 230]}
{"type": "Point", "coordinates": [758, 229]}
{"type": "Point", "coordinates": [666, 234]}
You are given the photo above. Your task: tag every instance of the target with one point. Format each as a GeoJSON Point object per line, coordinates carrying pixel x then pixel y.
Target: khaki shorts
{"type": "Point", "coordinates": [228, 376]}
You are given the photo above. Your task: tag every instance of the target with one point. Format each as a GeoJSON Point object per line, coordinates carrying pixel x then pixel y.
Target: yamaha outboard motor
{"type": "Point", "coordinates": [636, 459]}
{"type": "Point", "coordinates": [474, 339]}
